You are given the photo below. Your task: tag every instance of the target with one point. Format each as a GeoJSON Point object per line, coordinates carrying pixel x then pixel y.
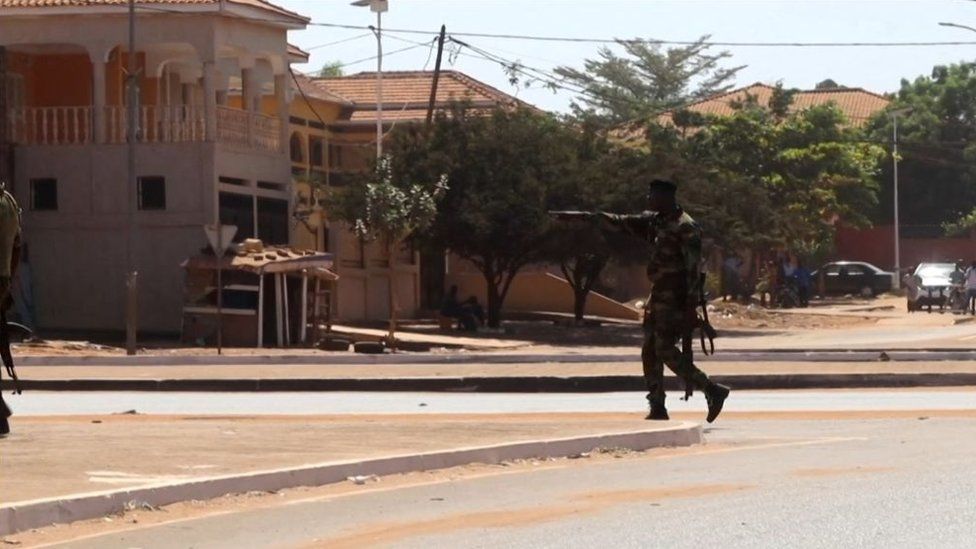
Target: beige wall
{"type": "Point", "coordinates": [78, 253]}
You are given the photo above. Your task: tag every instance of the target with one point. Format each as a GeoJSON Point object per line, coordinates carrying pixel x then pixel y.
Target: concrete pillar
{"type": "Point", "coordinates": [248, 89]}
{"type": "Point", "coordinates": [281, 100]}
{"type": "Point", "coordinates": [98, 101]}
{"type": "Point", "coordinates": [210, 99]}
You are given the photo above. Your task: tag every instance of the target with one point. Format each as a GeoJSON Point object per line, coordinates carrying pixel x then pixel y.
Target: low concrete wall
{"type": "Point", "coordinates": [541, 291]}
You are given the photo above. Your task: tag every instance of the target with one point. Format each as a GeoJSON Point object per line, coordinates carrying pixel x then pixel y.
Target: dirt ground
{"type": "Point", "coordinates": [528, 330]}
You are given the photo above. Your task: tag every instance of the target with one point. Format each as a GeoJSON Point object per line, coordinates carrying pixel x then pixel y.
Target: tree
{"type": "Point", "coordinates": [937, 145]}
{"type": "Point", "coordinates": [828, 84]}
{"type": "Point", "coordinates": [332, 69]}
{"type": "Point", "coordinates": [502, 166]}
{"type": "Point", "coordinates": [389, 210]}
{"type": "Point", "coordinates": [604, 178]}
{"type": "Point", "coordinates": [764, 178]}
{"type": "Point", "coordinates": [647, 79]}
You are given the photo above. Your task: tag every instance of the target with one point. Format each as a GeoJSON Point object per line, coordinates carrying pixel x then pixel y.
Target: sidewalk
{"type": "Point", "coordinates": [91, 462]}
{"type": "Point", "coordinates": [621, 375]}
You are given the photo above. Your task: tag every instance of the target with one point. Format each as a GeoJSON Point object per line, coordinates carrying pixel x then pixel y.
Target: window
{"type": "Point", "coordinates": [273, 220]}
{"type": "Point", "coordinates": [44, 194]}
{"type": "Point", "coordinates": [238, 209]}
{"type": "Point", "coordinates": [152, 193]}
{"type": "Point", "coordinates": [296, 145]}
{"type": "Point", "coordinates": [316, 152]}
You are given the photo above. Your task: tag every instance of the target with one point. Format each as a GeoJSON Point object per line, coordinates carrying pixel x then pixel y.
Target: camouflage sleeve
{"type": "Point", "coordinates": [633, 224]}
{"type": "Point", "coordinates": [691, 249]}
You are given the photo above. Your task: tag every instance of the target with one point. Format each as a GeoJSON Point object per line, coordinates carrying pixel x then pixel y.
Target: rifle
{"type": "Point", "coordinates": [8, 359]}
{"type": "Point", "coordinates": [705, 330]}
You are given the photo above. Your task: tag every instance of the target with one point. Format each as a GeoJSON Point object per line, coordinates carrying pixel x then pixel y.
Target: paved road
{"type": "Point", "coordinates": [756, 484]}
{"type": "Point", "coordinates": [41, 403]}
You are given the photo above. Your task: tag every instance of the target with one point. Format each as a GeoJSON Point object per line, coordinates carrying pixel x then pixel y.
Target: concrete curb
{"type": "Point", "coordinates": [20, 516]}
{"type": "Point", "coordinates": [509, 384]}
{"type": "Point", "coordinates": [347, 359]}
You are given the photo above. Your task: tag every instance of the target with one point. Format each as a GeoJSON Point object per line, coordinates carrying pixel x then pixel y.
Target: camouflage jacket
{"type": "Point", "coordinates": [674, 265]}
{"type": "Point", "coordinates": [9, 231]}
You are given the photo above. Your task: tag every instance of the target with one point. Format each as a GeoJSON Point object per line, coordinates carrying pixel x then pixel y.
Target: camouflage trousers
{"type": "Point", "coordinates": [662, 336]}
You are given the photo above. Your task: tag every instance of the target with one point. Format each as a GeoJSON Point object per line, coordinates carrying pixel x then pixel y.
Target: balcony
{"type": "Point", "coordinates": [53, 126]}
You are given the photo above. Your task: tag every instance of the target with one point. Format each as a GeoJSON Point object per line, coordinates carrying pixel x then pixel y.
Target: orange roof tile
{"type": "Point", "coordinates": [310, 89]}
{"type": "Point", "coordinates": [407, 93]}
{"type": "Point", "coordinates": [856, 103]}
{"type": "Point", "coordinates": [260, 4]}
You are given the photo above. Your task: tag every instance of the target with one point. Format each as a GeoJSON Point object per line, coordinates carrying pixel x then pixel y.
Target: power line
{"type": "Point", "coordinates": [337, 42]}
{"type": "Point", "coordinates": [652, 41]}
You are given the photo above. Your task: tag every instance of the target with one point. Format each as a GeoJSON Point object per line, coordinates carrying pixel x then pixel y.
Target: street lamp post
{"type": "Point", "coordinates": [378, 7]}
{"type": "Point", "coordinates": [894, 160]}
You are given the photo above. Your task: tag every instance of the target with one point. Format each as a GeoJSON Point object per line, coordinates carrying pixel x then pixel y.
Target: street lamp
{"type": "Point", "coordinates": [894, 159]}
{"type": "Point", "coordinates": [378, 7]}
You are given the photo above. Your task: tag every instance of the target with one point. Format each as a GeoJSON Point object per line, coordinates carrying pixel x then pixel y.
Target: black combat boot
{"type": "Point", "coordinates": [4, 414]}
{"type": "Point", "coordinates": [658, 412]}
{"type": "Point", "coordinates": [715, 394]}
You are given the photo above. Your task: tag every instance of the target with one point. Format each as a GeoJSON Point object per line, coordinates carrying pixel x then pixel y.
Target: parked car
{"type": "Point", "coordinates": [930, 285]}
{"type": "Point", "coordinates": [854, 277]}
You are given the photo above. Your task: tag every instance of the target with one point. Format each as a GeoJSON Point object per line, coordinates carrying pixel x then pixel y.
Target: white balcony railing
{"type": "Point", "coordinates": [157, 124]}
{"type": "Point", "coordinates": [251, 130]}
{"type": "Point", "coordinates": [51, 125]}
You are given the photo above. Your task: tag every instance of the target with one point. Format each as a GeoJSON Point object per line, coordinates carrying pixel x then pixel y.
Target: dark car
{"type": "Point", "coordinates": [854, 277]}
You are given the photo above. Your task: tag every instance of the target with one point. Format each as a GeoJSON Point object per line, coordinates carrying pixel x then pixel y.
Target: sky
{"type": "Point", "coordinates": [878, 69]}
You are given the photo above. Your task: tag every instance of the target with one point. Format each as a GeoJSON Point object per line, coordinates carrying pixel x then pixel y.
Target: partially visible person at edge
{"type": "Point", "coordinates": [9, 247]}
{"type": "Point", "coordinates": [674, 269]}
{"type": "Point", "coordinates": [970, 281]}
{"type": "Point", "coordinates": [804, 283]}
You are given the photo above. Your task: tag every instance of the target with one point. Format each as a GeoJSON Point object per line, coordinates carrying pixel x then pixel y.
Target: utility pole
{"type": "Point", "coordinates": [379, 84]}
{"type": "Point", "coordinates": [437, 75]}
{"type": "Point", "coordinates": [132, 134]}
{"type": "Point", "coordinates": [894, 160]}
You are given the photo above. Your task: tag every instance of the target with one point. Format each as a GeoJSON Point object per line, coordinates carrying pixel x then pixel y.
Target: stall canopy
{"type": "Point", "coordinates": [281, 263]}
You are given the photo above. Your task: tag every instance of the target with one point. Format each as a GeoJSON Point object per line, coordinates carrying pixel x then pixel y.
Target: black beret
{"type": "Point", "coordinates": [661, 185]}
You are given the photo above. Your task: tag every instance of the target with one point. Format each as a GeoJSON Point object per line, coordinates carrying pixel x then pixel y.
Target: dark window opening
{"type": "Point", "coordinates": [271, 186]}
{"type": "Point", "coordinates": [233, 181]}
{"type": "Point", "coordinates": [316, 153]}
{"type": "Point", "coordinates": [152, 193]}
{"type": "Point", "coordinates": [295, 144]}
{"type": "Point", "coordinates": [44, 194]}
{"type": "Point", "coordinates": [273, 220]}
{"type": "Point", "coordinates": [238, 209]}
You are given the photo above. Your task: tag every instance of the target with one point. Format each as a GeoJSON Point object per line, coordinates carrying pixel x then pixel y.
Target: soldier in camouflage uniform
{"type": "Point", "coordinates": [9, 258]}
{"type": "Point", "coordinates": [674, 269]}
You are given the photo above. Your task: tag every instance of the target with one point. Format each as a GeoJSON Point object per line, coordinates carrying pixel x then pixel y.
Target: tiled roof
{"type": "Point", "coordinates": [407, 93]}
{"type": "Point", "coordinates": [310, 89]}
{"type": "Point", "coordinates": [298, 53]}
{"type": "Point", "coordinates": [260, 4]}
{"type": "Point", "coordinates": [856, 103]}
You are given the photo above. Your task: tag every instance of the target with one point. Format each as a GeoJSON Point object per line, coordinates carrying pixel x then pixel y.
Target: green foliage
{"type": "Point", "coordinates": [937, 146]}
{"type": "Point", "coordinates": [502, 166]}
{"type": "Point", "coordinates": [332, 69]}
{"type": "Point", "coordinates": [764, 178]}
{"type": "Point", "coordinates": [647, 79]}
{"type": "Point", "coordinates": [386, 208]}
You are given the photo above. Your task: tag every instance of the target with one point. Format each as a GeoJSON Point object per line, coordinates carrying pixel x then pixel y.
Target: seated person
{"type": "Point", "coordinates": [452, 308]}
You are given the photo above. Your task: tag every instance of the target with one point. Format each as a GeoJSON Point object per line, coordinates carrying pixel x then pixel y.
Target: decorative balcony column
{"type": "Point", "coordinates": [281, 100]}
{"type": "Point", "coordinates": [210, 99]}
{"type": "Point", "coordinates": [248, 89]}
{"type": "Point", "coordinates": [98, 100]}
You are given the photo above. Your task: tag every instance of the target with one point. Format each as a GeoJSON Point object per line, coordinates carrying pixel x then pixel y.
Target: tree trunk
{"type": "Point", "coordinates": [579, 304]}
{"type": "Point", "coordinates": [391, 337]}
{"type": "Point", "coordinates": [494, 303]}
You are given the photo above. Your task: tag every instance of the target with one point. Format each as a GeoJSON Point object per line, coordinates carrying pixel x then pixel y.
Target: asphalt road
{"type": "Point", "coordinates": [848, 483]}
{"type": "Point", "coordinates": [66, 403]}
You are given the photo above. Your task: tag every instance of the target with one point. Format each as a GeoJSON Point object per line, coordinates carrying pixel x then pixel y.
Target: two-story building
{"type": "Point", "coordinates": [200, 156]}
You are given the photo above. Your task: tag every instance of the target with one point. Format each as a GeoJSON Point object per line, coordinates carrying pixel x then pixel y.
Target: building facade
{"type": "Point", "coordinates": [199, 155]}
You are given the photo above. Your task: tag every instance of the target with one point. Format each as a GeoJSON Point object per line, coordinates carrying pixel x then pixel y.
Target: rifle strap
{"type": "Point", "coordinates": [8, 359]}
